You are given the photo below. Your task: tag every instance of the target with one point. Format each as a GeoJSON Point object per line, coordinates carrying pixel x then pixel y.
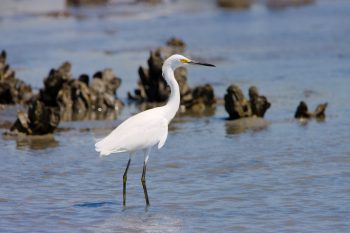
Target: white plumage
{"type": "Point", "coordinates": [140, 131]}
{"type": "Point", "coordinates": [146, 129]}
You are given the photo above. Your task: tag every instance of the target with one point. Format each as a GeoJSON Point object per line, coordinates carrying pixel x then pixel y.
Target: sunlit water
{"type": "Point", "coordinates": [289, 177]}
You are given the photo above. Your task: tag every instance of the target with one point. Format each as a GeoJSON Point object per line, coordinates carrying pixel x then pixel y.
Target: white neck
{"type": "Point", "coordinates": [173, 103]}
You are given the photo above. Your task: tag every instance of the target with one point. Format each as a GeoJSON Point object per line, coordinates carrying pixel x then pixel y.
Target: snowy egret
{"type": "Point", "coordinates": [148, 128]}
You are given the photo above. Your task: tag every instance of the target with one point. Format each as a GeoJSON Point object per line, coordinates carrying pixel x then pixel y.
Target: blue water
{"type": "Point", "coordinates": [289, 177]}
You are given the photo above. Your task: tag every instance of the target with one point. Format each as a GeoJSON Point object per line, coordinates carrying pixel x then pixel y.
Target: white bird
{"type": "Point", "coordinates": [146, 129]}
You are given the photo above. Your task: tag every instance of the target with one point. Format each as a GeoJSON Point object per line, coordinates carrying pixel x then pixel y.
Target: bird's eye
{"type": "Point", "coordinates": [185, 61]}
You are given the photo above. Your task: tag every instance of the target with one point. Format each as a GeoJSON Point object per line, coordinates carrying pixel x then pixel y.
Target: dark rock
{"type": "Point", "coordinates": [85, 2]}
{"type": "Point", "coordinates": [6, 96]}
{"type": "Point", "coordinates": [302, 111]}
{"type": "Point", "coordinates": [21, 124]}
{"type": "Point", "coordinates": [84, 78]}
{"type": "Point", "coordinates": [98, 75]}
{"type": "Point", "coordinates": [3, 57]}
{"type": "Point", "coordinates": [65, 70]}
{"type": "Point", "coordinates": [258, 103]}
{"type": "Point", "coordinates": [320, 111]}
{"type": "Point", "coordinates": [112, 82]}
{"type": "Point", "coordinates": [39, 120]}
{"type": "Point", "coordinates": [246, 115]}
{"type": "Point", "coordinates": [53, 83]}
{"type": "Point", "coordinates": [75, 98]}
{"type": "Point", "coordinates": [97, 86]}
{"type": "Point", "coordinates": [61, 98]}
{"type": "Point", "coordinates": [80, 96]}
{"type": "Point", "coordinates": [12, 90]}
{"type": "Point", "coordinates": [176, 43]}
{"type": "Point", "coordinates": [235, 4]}
{"type": "Point", "coordinates": [173, 46]}
{"type": "Point", "coordinates": [202, 97]}
{"type": "Point", "coordinates": [42, 119]}
{"type": "Point", "coordinates": [64, 98]}
{"type": "Point", "coordinates": [152, 87]}
{"type": "Point", "coordinates": [103, 91]}
{"type": "Point", "coordinates": [237, 106]}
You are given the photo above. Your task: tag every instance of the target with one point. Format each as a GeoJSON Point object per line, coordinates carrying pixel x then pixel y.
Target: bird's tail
{"type": "Point", "coordinates": [101, 148]}
{"type": "Point", "coordinates": [104, 148]}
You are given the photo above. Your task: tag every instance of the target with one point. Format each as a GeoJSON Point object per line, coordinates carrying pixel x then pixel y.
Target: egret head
{"type": "Point", "coordinates": [177, 60]}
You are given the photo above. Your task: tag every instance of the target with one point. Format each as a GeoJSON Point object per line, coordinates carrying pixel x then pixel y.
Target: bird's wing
{"type": "Point", "coordinates": [164, 134]}
{"type": "Point", "coordinates": [138, 132]}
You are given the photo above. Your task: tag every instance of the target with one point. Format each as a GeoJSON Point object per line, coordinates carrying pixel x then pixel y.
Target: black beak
{"type": "Point", "coordinates": [200, 63]}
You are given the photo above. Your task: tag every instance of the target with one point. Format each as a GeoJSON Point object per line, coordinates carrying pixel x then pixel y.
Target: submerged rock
{"type": "Point", "coordinates": [12, 90]}
{"type": "Point", "coordinates": [152, 87]}
{"type": "Point", "coordinates": [302, 111]}
{"type": "Point", "coordinates": [237, 106]}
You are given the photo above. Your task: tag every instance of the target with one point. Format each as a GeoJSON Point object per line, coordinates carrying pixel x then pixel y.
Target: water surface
{"type": "Point", "coordinates": [288, 177]}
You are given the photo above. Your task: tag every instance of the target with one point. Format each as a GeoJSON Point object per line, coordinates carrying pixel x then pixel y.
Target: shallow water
{"type": "Point", "coordinates": [288, 177]}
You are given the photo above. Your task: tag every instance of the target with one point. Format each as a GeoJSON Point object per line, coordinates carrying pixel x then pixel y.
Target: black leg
{"type": "Point", "coordinates": [143, 181]}
{"type": "Point", "coordinates": [125, 178]}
